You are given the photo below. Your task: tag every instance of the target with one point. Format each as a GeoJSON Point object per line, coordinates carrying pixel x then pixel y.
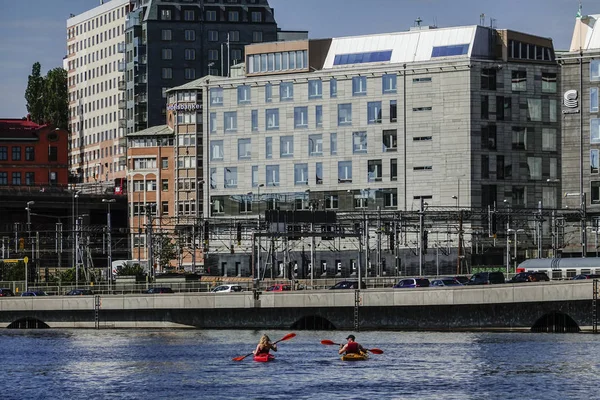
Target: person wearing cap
{"type": "Point", "coordinates": [351, 347]}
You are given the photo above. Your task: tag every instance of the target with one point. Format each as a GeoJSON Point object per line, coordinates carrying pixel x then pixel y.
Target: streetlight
{"type": "Point", "coordinates": [109, 237]}
{"type": "Point", "coordinates": [455, 197]}
{"type": "Point", "coordinates": [515, 231]}
{"type": "Point", "coordinates": [583, 206]}
{"type": "Point", "coordinates": [28, 208]}
{"type": "Point", "coordinates": [74, 225]}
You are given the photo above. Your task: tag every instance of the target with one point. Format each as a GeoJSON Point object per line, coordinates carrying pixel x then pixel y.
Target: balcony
{"type": "Point", "coordinates": [123, 123]}
{"type": "Point", "coordinates": [143, 78]}
{"type": "Point", "coordinates": [122, 66]}
{"type": "Point", "coordinates": [122, 142]}
{"type": "Point", "coordinates": [122, 104]}
{"type": "Point", "coordinates": [121, 47]}
{"type": "Point", "coordinates": [141, 98]}
{"type": "Point", "coordinates": [122, 85]}
{"type": "Point", "coordinates": [122, 161]}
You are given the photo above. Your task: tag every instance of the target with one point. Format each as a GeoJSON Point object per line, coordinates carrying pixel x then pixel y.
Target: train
{"type": "Point", "coordinates": [561, 268]}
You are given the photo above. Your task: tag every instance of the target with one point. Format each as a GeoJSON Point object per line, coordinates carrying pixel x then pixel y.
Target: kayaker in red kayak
{"type": "Point", "coordinates": [351, 347]}
{"type": "Point", "coordinates": [264, 346]}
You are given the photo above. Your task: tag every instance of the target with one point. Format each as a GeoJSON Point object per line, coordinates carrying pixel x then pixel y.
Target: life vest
{"type": "Point", "coordinates": [352, 347]}
{"type": "Point", "coordinates": [264, 350]}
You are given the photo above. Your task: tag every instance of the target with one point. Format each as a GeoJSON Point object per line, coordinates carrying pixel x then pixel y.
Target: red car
{"type": "Point", "coordinates": [279, 288]}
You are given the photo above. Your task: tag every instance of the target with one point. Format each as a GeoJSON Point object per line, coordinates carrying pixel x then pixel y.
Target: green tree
{"type": "Point", "coordinates": [132, 270]}
{"type": "Point", "coordinates": [56, 104]}
{"type": "Point", "coordinates": [165, 251]}
{"type": "Point", "coordinates": [34, 94]}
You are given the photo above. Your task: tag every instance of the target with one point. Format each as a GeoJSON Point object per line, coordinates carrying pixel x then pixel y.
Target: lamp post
{"type": "Point", "coordinates": [583, 207]}
{"type": "Point", "coordinates": [109, 237]}
{"type": "Point", "coordinates": [515, 231]}
{"type": "Point", "coordinates": [507, 238]}
{"type": "Point", "coordinates": [456, 200]}
{"type": "Point", "coordinates": [74, 225]}
{"type": "Point", "coordinates": [28, 208]}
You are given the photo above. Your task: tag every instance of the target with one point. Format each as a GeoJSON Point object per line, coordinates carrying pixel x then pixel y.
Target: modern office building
{"type": "Point", "coordinates": [580, 71]}
{"type": "Point", "coordinates": [95, 64]}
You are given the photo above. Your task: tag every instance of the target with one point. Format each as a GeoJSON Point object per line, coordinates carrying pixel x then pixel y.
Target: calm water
{"type": "Point", "coordinates": [181, 364]}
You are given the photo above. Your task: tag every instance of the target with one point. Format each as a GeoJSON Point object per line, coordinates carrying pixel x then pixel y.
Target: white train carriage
{"type": "Point", "coordinates": [561, 268]}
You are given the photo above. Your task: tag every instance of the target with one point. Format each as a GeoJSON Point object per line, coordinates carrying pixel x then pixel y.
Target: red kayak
{"type": "Point", "coordinates": [264, 357]}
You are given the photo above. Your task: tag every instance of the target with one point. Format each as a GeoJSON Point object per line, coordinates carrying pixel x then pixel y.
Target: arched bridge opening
{"type": "Point", "coordinates": [556, 322]}
{"type": "Point", "coordinates": [28, 323]}
{"type": "Point", "coordinates": [313, 323]}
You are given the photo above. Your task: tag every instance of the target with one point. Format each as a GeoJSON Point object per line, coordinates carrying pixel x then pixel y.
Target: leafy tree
{"type": "Point", "coordinates": [34, 94]}
{"type": "Point", "coordinates": [56, 105]}
{"type": "Point", "coordinates": [132, 270]}
{"type": "Point", "coordinates": [165, 251]}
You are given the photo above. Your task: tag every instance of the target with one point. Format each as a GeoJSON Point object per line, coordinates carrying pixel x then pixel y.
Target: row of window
{"type": "Point", "coordinates": [16, 153]}
{"type": "Point", "coordinates": [504, 110]}
{"type": "Point", "coordinates": [301, 174]}
{"type": "Point", "coordinates": [537, 168]}
{"type": "Point", "coordinates": [166, 14]}
{"type": "Point", "coordinates": [94, 23]}
{"type": "Point", "coordinates": [522, 138]}
{"type": "Point", "coordinates": [17, 178]}
{"type": "Point", "coordinates": [518, 80]}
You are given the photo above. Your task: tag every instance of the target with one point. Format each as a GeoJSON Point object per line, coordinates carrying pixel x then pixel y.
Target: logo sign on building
{"type": "Point", "coordinates": [570, 99]}
{"type": "Point", "coordinates": [183, 107]}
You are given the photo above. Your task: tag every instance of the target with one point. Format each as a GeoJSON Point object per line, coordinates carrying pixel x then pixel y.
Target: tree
{"type": "Point", "coordinates": [132, 270]}
{"type": "Point", "coordinates": [56, 105]}
{"type": "Point", "coordinates": [34, 94]}
{"type": "Point", "coordinates": [165, 251]}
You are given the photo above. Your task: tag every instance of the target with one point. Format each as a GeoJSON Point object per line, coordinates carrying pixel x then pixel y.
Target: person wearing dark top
{"type": "Point", "coordinates": [351, 347]}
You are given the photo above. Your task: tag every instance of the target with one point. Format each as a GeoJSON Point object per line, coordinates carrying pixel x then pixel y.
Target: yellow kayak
{"type": "Point", "coordinates": [355, 357]}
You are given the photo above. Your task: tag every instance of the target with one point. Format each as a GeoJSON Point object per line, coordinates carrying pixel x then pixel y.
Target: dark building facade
{"type": "Point", "coordinates": [169, 43]}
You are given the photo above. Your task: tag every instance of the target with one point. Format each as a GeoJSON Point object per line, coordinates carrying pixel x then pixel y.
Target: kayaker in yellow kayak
{"type": "Point", "coordinates": [351, 347]}
{"type": "Point", "coordinates": [264, 346]}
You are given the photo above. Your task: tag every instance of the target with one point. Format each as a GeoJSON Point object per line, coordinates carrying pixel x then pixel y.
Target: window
{"type": "Point", "coordinates": [213, 36]}
{"type": "Point", "coordinates": [244, 149]}
{"type": "Point", "coordinates": [315, 89]}
{"type": "Point", "coordinates": [390, 199]}
{"type": "Point", "coordinates": [190, 73]}
{"type": "Point", "coordinates": [16, 178]}
{"type": "Point", "coordinates": [257, 37]}
{"type": "Point", "coordinates": [3, 153]}
{"type": "Point", "coordinates": [167, 54]}
{"type": "Point", "coordinates": [216, 150]}
{"type": "Point", "coordinates": [332, 202]}
{"type": "Point", "coordinates": [234, 36]}
{"type": "Point", "coordinates": [359, 142]}
{"type": "Point", "coordinates": [268, 93]}
{"type": "Point", "coordinates": [548, 139]}
{"type": "Point", "coordinates": [30, 178]}
{"type": "Point", "coordinates": [213, 178]}
{"type": "Point", "coordinates": [231, 177]}
{"type": "Point", "coordinates": [318, 116]}
{"type": "Point", "coordinates": [3, 178]}
{"type": "Point", "coordinates": [268, 147]}
{"type": "Point", "coordinates": [243, 93]}
{"type": "Point", "coordinates": [217, 205]}
{"type": "Point", "coordinates": [485, 166]}
{"type": "Point", "coordinates": [301, 174]}
{"type": "Point", "coordinates": [359, 85]}
{"type": "Point", "coordinates": [534, 109]}
{"type": "Point", "coordinates": [333, 144]}
{"type": "Point", "coordinates": [374, 170]}
{"type": "Point", "coordinates": [344, 171]}
{"type": "Point", "coordinates": [190, 35]}
{"type": "Point", "coordinates": [390, 140]}
{"type": "Point", "coordinates": [230, 121]}
{"type": "Point", "coordinates": [213, 122]}
{"type": "Point", "coordinates": [216, 96]}
{"type": "Point", "coordinates": [211, 15]}
{"type": "Point", "coordinates": [166, 34]}
{"type": "Point", "coordinates": [595, 130]}
{"type": "Point", "coordinates": [374, 112]}
{"type": "Point", "coordinates": [165, 185]}
{"type": "Point", "coordinates": [236, 55]}
{"type": "Point", "coordinates": [595, 70]}
{"type": "Point", "coordinates": [167, 73]}
{"type": "Point", "coordinates": [503, 108]}
{"type": "Point", "coordinates": [256, 16]}
{"type": "Point", "coordinates": [254, 120]}
{"type": "Point", "coordinates": [361, 58]}
{"type": "Point", "coordinates": [451, 50]}
{"type": "Point", "coordinates": [255, 176]}
{"type": "Point", "coordinates": [389, 83]}
{"type": "Point", "coordinates": [188, 15]}
{"type": "Point", "coordinates": [190, 54]}
{"type": "Point", "coordinates": [485, 107]}
{"type": "Point", "coordinates": [272, 175]}
{"type": "Point", "coordinates": [594, 99]}
{"type": "Point", "coordinates": [164, 163]}
{"type": "Point", "coordinates": [548, 82]}
{"type": "Point", "coordinates": [319, 173]}
{"type": "Point", "coordinates": [300, 117]}
{"type": "Point", "coordinates": [499, 167]}
{"type": "Point", "coordinates": [165, 15]}
{"type": "Point", "coordinates": [286, 146]}
{"type": "Point", "coordinates": [422, 80]}
{"type": "Point", "coordinates": [333, 88]}
{"type": "Point", "coordinates": [213, 55]}
{"type": "Point", "coordinates": [535, 167]}
{"type": "Point", "coordinates": [488, 79]}
{"type": "Point", "coordinates": [594, 161]}
{"type": "Point", "coordinates": [519, 138]}
{"type": "Point", "coordinates": [519, 81]}
{"type": "Point", "coordinates": [393, 111]}
{"type": "Point", "coordinates": [272, 117]}
{"type": "Point", "coordinates": [488, 137]}
{"type": "Point", "coordinates": [286, 91]}
{"type": "Point", "coordinates": [315, 145]}
{"type": "Point", "coordinates": [553, 115]}
{"type": "Point", "coordinates": [165, 207]}
{"type": "Point", "coordinates": [16, 153]}
{"type": "Point", "coordinates": [233, 16]}
{"type": "Point", "coordinates": [595, 189]}
{"type": "Point", "coordinates": [344, 114]}
{"type": "Point", "coordinates": [29, 153]}
{"type": "Point", "coordinates": [394, 169]}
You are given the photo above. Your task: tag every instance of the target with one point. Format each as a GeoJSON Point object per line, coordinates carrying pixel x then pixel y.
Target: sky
{"type": "Point", "coordinates": [35, 30]}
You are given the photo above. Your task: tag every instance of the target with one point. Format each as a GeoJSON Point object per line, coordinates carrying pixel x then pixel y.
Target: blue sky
{"type": "Point", "coordinates": [34, 30]}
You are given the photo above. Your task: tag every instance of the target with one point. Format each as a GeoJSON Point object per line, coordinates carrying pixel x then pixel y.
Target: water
{"type": "Point", "coordinates": [193, 364]}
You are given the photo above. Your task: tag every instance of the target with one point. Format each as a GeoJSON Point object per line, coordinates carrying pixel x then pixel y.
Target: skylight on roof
{"type": "Point", "coordinates": [449, 51]}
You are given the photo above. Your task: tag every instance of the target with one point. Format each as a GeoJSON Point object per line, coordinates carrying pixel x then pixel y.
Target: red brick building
{"type": "Point", "coordinates": [32, 155]}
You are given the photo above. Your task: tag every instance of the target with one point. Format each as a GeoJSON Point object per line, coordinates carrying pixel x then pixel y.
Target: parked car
{"type": "Point", "coordinates": [158, 290]}
{"type": "Point", "coordinates": [586, 276]}
{"type": "Point", "coordinates": [80, 292]}
{"type": "Point", "coordinates": [6, 293]}
{"type": "Point", "coordinates": [461, 279]}
{"type": "Point", "coordinates": [412, 283]}
{"type": "Point", "coordinates": [348, 285]}
{"type": "Point", "coordinates": [487, 278]}
{"type": "Point", "coordinates": [279, 288]}
{"type": "Point", "coordinates": [529, 277]}
{"type": "Point", "coordinates": [34, 293]}
{"type": "Point", "coordinates": [445, 282]}
{"type": "Point", "coordinates": [227, 289]}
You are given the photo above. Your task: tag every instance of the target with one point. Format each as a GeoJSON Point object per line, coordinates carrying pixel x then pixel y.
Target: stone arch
{"type": "Point", "coordinates": [555, 322]}
{"type": "Point", "coordinates": [28, 323]}
{"type": "Point", "coordinates": [313, 323]}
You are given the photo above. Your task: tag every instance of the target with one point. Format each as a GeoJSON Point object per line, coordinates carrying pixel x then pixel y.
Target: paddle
{"type": "Point", "coordinates": [329, 343]}
{"type": "Point", "coordinates": [286, 337]}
